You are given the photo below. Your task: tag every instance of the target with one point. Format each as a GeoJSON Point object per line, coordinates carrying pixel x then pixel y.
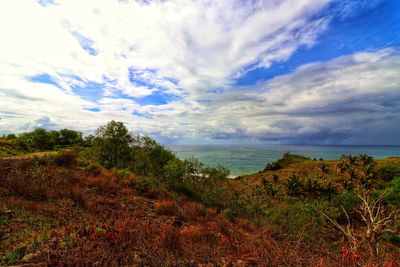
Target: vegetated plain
{"type": "Point", "coordinates": [116, 199]}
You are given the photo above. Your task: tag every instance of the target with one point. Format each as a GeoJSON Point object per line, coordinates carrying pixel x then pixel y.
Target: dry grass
{"type": "Point", "coordinates": [68, 217]}
{"type": "Point", "coordinates": [166, 207]}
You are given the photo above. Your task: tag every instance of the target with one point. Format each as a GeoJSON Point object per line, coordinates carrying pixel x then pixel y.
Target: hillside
{"type": "Point", "coordinates": [116, 199]}
{"type": "Point", "coordinates": [312, 168]}
{"type": "Point", "coordinates": [53, 213]}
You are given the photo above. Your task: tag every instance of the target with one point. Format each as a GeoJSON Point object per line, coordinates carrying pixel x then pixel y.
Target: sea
{"type": "Point", "coordinates": [247, 159]}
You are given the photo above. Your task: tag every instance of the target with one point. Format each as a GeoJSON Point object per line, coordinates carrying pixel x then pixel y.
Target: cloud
{"type": "Point", "coordinates": [201, 44]}
{"type": "Point", "coordinates": [168, 68]}
{"type": "Point", "coordinates": [176, 49]}
{"type": "Point", "coordinates": [338, 101]}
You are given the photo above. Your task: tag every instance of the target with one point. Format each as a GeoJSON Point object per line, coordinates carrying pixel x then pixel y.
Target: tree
{"type": "Point", "coordinates": [325, 171]}
{"type": "Point", "coordinates": [366, 165]}
{"type": "Point", "coordinates": [174, 171]}
{"type": "Point", "coordinates": [270, 188]}
{"type": "Point", "coordinates": [312, 187]}
{"type": "Point", "coordinates": [113, 145]}
{"type": "Point", "coordinates": [149, 157]}
{"type": "Point", "coordinates": [69, 137]}
{"type": "Point", "coordinates": [377, 217]}
{"type": "Point", "coordinates": [329, 189]}
{"type": "Point", "coordinates": [357, 171]}
{"type": "Point", "coordinates": [39, 139]}
{"type": "Point", "coordinates": [294, 185]}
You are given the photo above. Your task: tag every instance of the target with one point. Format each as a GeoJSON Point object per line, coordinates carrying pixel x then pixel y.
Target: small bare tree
{"type": "Point", "coordinates": [377, 217]}
{"type": "Point", "coordinates": [347, 231]}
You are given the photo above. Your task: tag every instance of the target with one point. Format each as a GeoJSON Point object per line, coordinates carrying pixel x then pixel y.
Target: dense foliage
{"type": "Point", "coordinates": [39, 140]}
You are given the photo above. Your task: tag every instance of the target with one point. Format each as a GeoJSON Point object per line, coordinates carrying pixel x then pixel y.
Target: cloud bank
{"type": "Point", "coordinates": [168, 69]}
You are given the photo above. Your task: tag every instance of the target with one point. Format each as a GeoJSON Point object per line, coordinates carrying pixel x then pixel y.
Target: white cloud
{"type": "Point", "coordinates": [347, 97]}
{"type": "Point", "coordinates": [200, 44]}
{"type": "Point", "coordinates": [187, 48]}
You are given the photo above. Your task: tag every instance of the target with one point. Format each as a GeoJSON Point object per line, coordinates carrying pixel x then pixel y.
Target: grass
{"type": "Point", "coordinates": [60, 210]}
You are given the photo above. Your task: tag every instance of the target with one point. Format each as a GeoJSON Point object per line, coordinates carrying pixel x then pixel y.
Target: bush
{"type": "Point", "coordinates": [387, 173]}
{"type": "Point", "coordinates": [301, 217]}
{"type": "Point", "coordinates": [287, 159]}
{"type": "Point", "coordinates": [346, 199]}
{"type": "Point", "coordinates": [69, 137]}
{"type": "Point", "coordinates": [273, 166]}
{"type": "Point", "coordinates": [39, 139]}
{"type": "Point", "coordinates": [174, 171]}
{"type": "Point", "coordinates": [149, 157]}
{"type": "Point", "coordinates": [294, 186]}
{"type": "Point", "coordinates": [394, 192]}
{"type": "Point", "coordinates": [112, 145]}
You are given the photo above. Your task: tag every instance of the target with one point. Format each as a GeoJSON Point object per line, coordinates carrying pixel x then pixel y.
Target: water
{"type": "Point", "coordinates": [246, 159]}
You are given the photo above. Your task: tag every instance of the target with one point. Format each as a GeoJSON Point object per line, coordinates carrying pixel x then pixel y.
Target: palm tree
{"type": "Point", "coordinates": [271, 190]}
{"type": "Point", "coordinates": [325, 170]}
{"type": "Point", "coordinates": [294, 185]}
{"type": "Point", "coordinates": [312, 187]}
{"type": "Point", "coordinates": [365, 160]}
{"type": "Point", "coordinates": [329, 189]}
{"type": "Point", "coordinates": [366, 165]}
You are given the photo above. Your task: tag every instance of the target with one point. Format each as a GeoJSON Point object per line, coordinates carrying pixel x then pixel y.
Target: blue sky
{"type": "Point", "coordinates": [291, 72]}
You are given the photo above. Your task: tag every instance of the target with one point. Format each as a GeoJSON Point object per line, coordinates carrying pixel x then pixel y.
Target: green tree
{"type": "Point", "coordinates": [113, 145]}
{"type": "Point", "coordinates": [270, 187]}
{"type": "Point", "coordinates": [53, 138]}
{"type": "Point", "coordinates": [294, 186]}
{"type": "Point", "coordinates": [329, 189]}
{"type": "Point", "coordinates": [325, 170]}
{"type": "Point", "coordinates": [357, 171]}
{"type": "Point", "coordinates": [174, 171]}
{"type": "Point", "coordinates": [312, 187]}
{"type": "Point", "coordinates": [149, 157]}
{"type": "Point", "coordinates": [38, 139]}
{"type": "Point", "coordinates": [69, 137]}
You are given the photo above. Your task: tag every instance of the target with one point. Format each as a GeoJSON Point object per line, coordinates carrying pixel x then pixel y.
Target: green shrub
{"type": "Point", "coordinates": [357, 171]}
{"type": "Point", "coordinates": [39, 139]}
{"type": "Point", "coordinates": [300, 217]}
{"type": "Point", "coordinates": [149, 158]}
{"type": "Point", "coordinates": [387, 173]}
{"type": "Point", "coordinates": [273, 166]}
{"type": "Point", "coordinates": [112, 145]}
{"type": "Point", "coordinates": [174, 171]}
{"type": "Point", "coordinates": [123, 173]}
{"type": "Point", "coordinates": [394, 192]}
{"type": "Point", "coordinates": [294, 186]}
{"type": "Point", "coordinates": [312, 188]}
{"type": "Point", "coordinates": [287, 159]}
{"type": "Point", "coordinates": [69, 137]}
{"type": "Point", "coordinates": [12, 257]}
{"type": "Point", "coordinates": [346, 199]}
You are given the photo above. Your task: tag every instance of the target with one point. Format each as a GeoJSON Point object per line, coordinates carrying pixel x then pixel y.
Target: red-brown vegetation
{"type": "Point", "coordinates": [71, 217]}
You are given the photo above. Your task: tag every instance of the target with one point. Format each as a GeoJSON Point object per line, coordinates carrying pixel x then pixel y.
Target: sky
{"type": "Point", "coordinates": [321, 72]}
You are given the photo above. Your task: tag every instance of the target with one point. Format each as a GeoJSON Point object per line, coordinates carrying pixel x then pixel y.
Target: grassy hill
{"type": "Point", "coordinates": [128, 201]}
{"type": "Point", "coordinates": [54, 213]}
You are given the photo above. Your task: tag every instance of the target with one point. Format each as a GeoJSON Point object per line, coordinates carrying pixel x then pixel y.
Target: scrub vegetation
{"type": "Point", "coordinates": [117, 199]}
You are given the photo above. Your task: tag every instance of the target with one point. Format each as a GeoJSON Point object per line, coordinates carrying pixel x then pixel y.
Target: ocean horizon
{"type": "Point", "coordinates": [243, 159]}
